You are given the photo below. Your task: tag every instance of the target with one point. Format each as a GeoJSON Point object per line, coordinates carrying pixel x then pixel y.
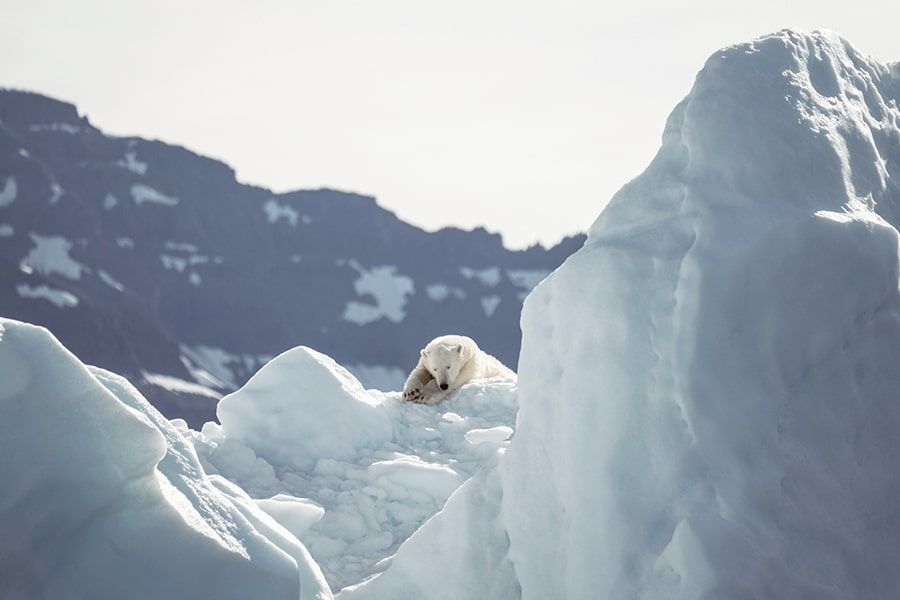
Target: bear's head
{"type": "Point", "coordinates": [444, 361]}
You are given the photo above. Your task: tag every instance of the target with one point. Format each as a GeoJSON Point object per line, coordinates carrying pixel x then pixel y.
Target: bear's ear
{"type": "Point", "coordinates": [423, 353]}
{"type": "Point", "coordinates": [459, 349]}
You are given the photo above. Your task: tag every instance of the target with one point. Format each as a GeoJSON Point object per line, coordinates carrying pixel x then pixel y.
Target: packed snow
{"type": "Point", "coordinates": [60, 298]}
{"type": "Point", "coordinates": [144, 193]}
{"type": "Point", "coordinates": [50, 255]}
{"type": "Point", "coordinates": [377, 467]}
{"type": "Point", "coordinates": [9, 192]}
{"type": "Point", "coordinates": [104, 498]}
{"type": "Point", "coordinates": [386, 287]}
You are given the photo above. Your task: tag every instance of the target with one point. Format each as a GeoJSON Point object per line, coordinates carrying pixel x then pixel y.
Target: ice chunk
{"type": "Point", "coordinates": [102, 497]}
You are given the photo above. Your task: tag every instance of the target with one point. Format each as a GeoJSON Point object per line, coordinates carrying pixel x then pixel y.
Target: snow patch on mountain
{"type": "Point", "coordinates": [56, 193]}
{"type": "Point", "coordinates": [55, 127]}
{"type": "Point", "coordinates": [50, 255]}
{"type": "Point", "coordinates": [131, 163]}
{"type": "Point", "coordinates": [489, 276]}
{"type": "Point", "coordinates": [276, 211]}
{"type": "Point", "coordinates": [386, 287]}
{"type": "Point", "coordinates": [60, 298]}
{"type": "Point", "coordinates": [144, 193]}
{"type": "Point", "coordinates": [489, 304]}
{"type": "Point", "coordinates": [6, 230]}
{"type": "Point", "coordinates": [9, 192]}
{"type": "Point", "coordinates": [526, 279]}
{"type": "Point", "coordinates": [110, 280]}
{"type": "Point", "coordinates": [441, 291]}
{"type": "Point", "coordinates": [179, 386]}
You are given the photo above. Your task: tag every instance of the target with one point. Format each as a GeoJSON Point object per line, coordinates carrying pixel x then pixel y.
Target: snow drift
{"type": "Point", "coordinates": [103, 498]}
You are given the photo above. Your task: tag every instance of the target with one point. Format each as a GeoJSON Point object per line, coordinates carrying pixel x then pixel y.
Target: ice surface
{"type": "Point", "coordinates": [103, 498]}
{"type": "Point", "coordinates": [709, 387]}
{"type": "Point", "coordinates": [304, 427]}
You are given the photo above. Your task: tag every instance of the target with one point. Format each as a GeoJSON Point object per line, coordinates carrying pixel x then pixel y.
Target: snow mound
{"type": "Point", "coordinates": [354, 472]}
{"type": "Point", "coordinates": [709, 387]}
{"type": "Point", "coordinates": [280, 412]}
{"type": "Point", "coordinates": [103, 498]}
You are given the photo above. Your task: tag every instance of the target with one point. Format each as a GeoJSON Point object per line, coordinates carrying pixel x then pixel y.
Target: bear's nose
{"type": "Point", "coordinates": [443, 386]}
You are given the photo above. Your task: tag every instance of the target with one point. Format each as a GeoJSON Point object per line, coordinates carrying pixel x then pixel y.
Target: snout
{"type": "Point", "coordinates": [444, 386]}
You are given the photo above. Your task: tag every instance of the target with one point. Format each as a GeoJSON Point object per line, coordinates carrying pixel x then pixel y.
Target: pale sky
{"type": "Point", "coordinates": [524, 117]}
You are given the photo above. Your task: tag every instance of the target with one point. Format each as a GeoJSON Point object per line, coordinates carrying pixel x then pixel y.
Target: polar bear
{"type": "Point", "coordinates": [446, 364]}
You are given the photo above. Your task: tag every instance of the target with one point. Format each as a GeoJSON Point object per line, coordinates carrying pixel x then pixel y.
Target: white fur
{"type": "Point", "coordinates": [453, 360]}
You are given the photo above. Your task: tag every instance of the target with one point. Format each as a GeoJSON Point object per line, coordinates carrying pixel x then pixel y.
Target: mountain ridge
{"type": "Point", "coordinates": [154, 261]}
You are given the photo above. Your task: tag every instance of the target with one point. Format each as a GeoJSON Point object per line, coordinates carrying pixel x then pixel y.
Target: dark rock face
{"type": "Point", "coordinates": [154, 262]}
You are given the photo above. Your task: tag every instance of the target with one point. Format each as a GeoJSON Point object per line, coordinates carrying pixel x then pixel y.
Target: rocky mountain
{"type": "Point", "coordinates": [152, 261]}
